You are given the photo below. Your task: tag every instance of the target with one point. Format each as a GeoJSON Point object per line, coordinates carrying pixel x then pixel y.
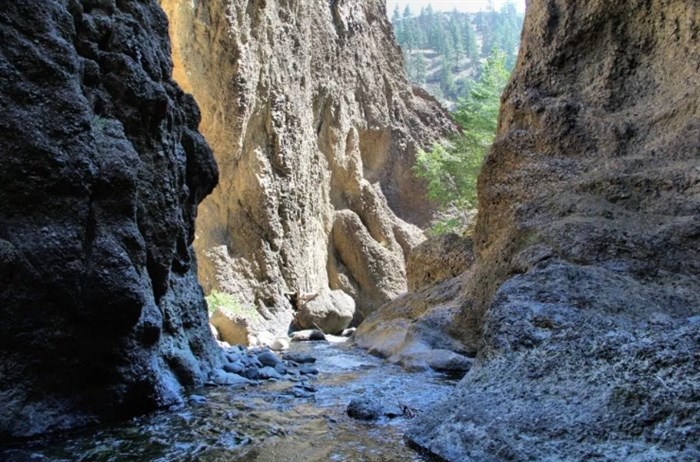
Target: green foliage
{"type": "Point", "coordinates": [228, 303]}
{"type": "Point", "coordinates": [453, 36]}
{"type": "Point", "coordinates": [417, 67]}
{"type": "Point", "coordinates": [451, 170]}
{"type": "Point", "coordinates": [449, 225]}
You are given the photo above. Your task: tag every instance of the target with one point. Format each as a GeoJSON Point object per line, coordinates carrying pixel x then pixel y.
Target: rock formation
{"type": "Point", "coordinates": [103, 168]}
{"type": "Point", "coordinates": [584, 301]}
{"type": "Point", "coordinates": [315, 129]}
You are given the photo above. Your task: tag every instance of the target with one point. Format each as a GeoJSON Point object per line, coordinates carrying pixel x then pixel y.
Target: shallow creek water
{"type": "Point", "coordinates": [266, 422]}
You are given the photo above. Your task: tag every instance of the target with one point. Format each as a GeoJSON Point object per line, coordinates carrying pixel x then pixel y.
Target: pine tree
{"type": "Point", "coordinates": [451, 171]}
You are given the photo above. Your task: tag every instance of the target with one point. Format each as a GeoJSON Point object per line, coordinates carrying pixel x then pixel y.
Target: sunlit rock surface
{"type": "Point", "coordinates": [315, 130]}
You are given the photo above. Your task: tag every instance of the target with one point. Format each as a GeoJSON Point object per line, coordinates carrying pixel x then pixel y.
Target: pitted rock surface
{"type": "Point", "coordinates": [315, 127]}
{"type": "Point", "coordinates": [103, 169]}
{"type": "Point", "coordinates": [587, 279]}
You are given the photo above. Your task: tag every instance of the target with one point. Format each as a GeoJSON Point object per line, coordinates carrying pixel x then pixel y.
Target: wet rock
{"type": "Point", "coordinates": [348, 332]}
{"type": "Point", "coordinates": [308, 369]}
{"type": "Point", "coordinates": [268, 372]}
{"type": "Point", "coordinates": [308, 335]}
{"type": "Point", "coordinates": [197, 399]}
{"type": "Point", "coordinates": [369, 408]}
{"type": "Point", "coordinates": [268, 358]}
{"type": "Point", "coordinates": [438, 360]}
{"type": "Point", "coordinates": [330, 312]}
{"type": "Point", "coordinates": [251, 372]}
{"type": "Point", "coordinates": [228, 379]}
{"type": "Point", "coordinates": [234, 368]}
{"type": "Point", "coordinates": [281, 368]}
{"type": "Point", "coordinates": [300, 358]}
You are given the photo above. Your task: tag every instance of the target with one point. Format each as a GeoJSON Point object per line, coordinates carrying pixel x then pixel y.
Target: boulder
{"type": "Point", "coordinates": [232, 329]}
{"type": "Point", "coordinates": [330, 312]}
{"type": "Point", "coordinates": [224, 378]}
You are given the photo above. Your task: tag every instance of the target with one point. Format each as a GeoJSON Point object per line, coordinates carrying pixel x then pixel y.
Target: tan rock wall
{"type": "Point", "coordinates": [308, 112]}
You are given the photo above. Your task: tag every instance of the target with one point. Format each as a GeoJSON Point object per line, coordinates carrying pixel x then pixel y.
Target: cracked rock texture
{"type": "Point", "coordinates": [103, 168]}
{"type": "Point", "coordinates": [584, 302]}
{"type": "Point", "coordinates": [315, 129]}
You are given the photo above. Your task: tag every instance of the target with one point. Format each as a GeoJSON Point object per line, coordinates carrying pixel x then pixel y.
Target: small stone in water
{"type": "Point", "coordinates": [234, 368]}
{"type": "Point", "coordinates": [281, 368]}
{"type": "Point", "coordinates": [197, 399]}
{"type": "Point", "coordinates": [300, 358]}
{"type": "Point", "coordinates": [307, 335]}
{"type": "Point", "coordinates": [268, 358]}
{"type": "Point", "coordinates": [348, 332]}
{"type": "Point", "coordinates": [308, 369]}
{"type": "Point", "coordinates": [268, 373]}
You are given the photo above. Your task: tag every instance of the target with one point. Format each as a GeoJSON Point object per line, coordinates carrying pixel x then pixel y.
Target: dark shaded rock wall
{"type": "Point", "coordinates": [101, 314]}
{"type": "Point", "coordinates": [585, 299]}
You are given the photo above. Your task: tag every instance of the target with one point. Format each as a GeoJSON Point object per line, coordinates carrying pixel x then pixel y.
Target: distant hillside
{"type": "Point", "coordinates": [444, 52]}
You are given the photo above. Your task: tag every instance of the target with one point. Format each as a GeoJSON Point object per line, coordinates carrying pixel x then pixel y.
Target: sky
{"type": "Point", "coordinates": [449, 5]}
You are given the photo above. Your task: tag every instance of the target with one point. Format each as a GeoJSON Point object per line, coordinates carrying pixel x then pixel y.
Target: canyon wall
{"type": "Point", "coordinates": [584, 302]}
{"type": "Point", "coordinates": [103, 168]}
{"type": "Point", "coordinates": [315, 129]}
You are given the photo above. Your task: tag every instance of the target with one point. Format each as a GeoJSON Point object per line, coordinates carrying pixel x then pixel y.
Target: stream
{"type": "Point", "coordinates": [268, 422]}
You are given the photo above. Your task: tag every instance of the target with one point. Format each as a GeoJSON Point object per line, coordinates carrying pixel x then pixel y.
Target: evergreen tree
{"type": "Point", "coordinates": [451, 171]}
{"type": "Point", "coordinates": [396, 16]}
{"type": "Point", "coordinates": [419, 69]}
{"type": "Point", "coordinates": [398, 26]}
{"type": "Point", "coordinates": [470, 44]}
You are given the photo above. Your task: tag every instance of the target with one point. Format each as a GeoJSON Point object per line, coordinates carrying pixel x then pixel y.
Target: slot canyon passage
{"type": "Point", "coordinates": [572, 311]}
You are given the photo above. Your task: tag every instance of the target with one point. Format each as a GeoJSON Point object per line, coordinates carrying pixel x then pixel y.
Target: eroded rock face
{"type": "Point", "coordinates": [103, 168]}
{"type": "Point", "coordinates": [315, 130]}
{"type": "Point", "coordinates": [437, 259]}
{"type": "Point", "coordinates": [585, 297]}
